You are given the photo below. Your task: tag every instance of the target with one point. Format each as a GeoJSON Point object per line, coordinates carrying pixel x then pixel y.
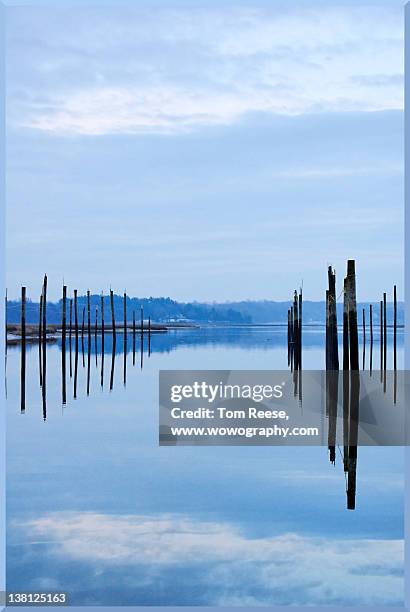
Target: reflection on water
{"type": "Point", "coordinates": [96, 508]}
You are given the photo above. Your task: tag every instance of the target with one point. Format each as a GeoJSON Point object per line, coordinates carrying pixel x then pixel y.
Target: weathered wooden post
{"type": "Point", "coordinates": [23, 350]}
{"type": "Point", "coordinates": [95, 335]}
{"type": "Point", "coordinates": [354, 383]}
{"type": "Point", "coordinates": [345, 327]}
{"type": "Point", "coordinates": [333, 341]}
{"type": "Point", "coordinates": [288, 337]}
{"type": "Point", "coordinates": [70, 304]}
{"type": "Point", "coordinates": [112, 315]}
{"type": "Point", "coordinates": [381, 339]}
{"type": "Point", "coordinates": [300, 332]}
{"type": "Point", "coordinates": [384, 331]}
{"type": "Point", "coordinates": [88, 316]}
{"type": "Point", "coordinates": [88, 361]}
{"type": "Point", "coordinates": [351, 297]}
{"type": "Point", "coordinates": [63, 347]}
{"type": "Point", "coordinates": [395, 328]}
{"type": "Point", "coordinates": [371, 337]}
{"type": "Point", "coordinates": [133, 337]}
{"type": "Point", "coordinates": [40, 334]}
{"type": "Point", "coordinates": [296, 329]}
{"type": "Point", "coordinates": [76, 313]}
{"type": "Point", "coordinates": [45, 310]}
{"type": "Point", "coordinates": [125, 316]}
{"type": "Point", "coordinates": [149, 336]}
{"type": "Point", "coordinates": [346, 383]}
{"type": "Point", "coordinates": [44, 365]}
{"type": "Point", "coordinates": [327, 330]}
{"type": "Point", "coordinates": [64, 323]}
{"type": "Point", "coordinates": [142, 335]}
{"type": "Point", "coordinates": [364, 338]}
{"type": "Point", "coordinates": [5, 320]}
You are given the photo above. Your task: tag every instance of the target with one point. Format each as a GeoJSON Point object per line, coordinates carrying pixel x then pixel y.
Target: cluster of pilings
{"type": "Point", "coordinates": [350, 357]}
{"type": "Point", "coordinates": [295, 322]}
{"type": "Point", "coordinates": [76, 331]}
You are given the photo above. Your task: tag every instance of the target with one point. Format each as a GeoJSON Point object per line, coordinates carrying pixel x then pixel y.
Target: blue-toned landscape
{"type": "Point", "coordinates": [96, 508]}
{"type": "Point", "coordinates": [200, 161]}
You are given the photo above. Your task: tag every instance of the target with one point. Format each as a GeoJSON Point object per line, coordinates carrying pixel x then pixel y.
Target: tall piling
{"type": "Point", "coordinates": [395, 327]}
{"type": "Point", "coordinates": [64, 321]}
{"type": "Point", "coordinates": [133, 337]}
{"type": "Point", "coordinates": [384, 331]}
{"type": "Point", "coordinates": [63, 348]}
{"type": "Point", "coordinates": [149, 336]}
{"type": "Point", "coordinates": [381, 337]}
{"type": "Point", "coordinates": [23, 350]}
{"type": "Point", "coordinates": [112, 315]}
{"type": "Point", "coordinates": [332, 323]}
{"type": "Point", "coordinates": [88, 315]}
{"type": "Point", "coordinates": [371, 336]}
{"type": "Point", "coordinates": [125, 323]}
{"type": "Point", "coordinates": [76, 313]}
{"type": "Point", "coordinates": [353, 333]}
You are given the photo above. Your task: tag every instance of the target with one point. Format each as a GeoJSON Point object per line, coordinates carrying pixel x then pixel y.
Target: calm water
{"type": "Point", "coordinates": [96, 508]}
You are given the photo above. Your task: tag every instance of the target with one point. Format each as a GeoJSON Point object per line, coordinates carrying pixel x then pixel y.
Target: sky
{"type": "Point", "coordinates": [205, 151]}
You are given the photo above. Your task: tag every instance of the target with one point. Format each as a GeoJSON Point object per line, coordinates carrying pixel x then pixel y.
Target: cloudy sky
{"type": "Point", "coordinates": [218, 151]}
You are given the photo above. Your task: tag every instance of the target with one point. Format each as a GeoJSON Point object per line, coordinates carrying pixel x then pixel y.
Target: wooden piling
{"type": "Point", "coordinates": [371, 336]}
{"type": "Point", "coordinates": [332, 325]}
{"type": "Point", "coordinates": [95, 335]}
{"type": "Point", "coordinates": [125, 334]}
{"type": "Point", "coordinates": [76, 313]}
{"type": "Point", "coordinates": [346, 361]}
{"type": "Point", "coordinates": [300, 330]}
{"type": "Point", "coordinates": [351, 296]}
{"type": "Point", "coordinates": [288, 337]}
{"type": "Point", "coordinates": [385, 331]}
{"type": "Point", "coordinates": [89, 360]}
{"type": "Point", "coordinates": [142, 335]}
{"type": "Point", "coordinates": [112, 315]}
{"type": "Point", "coordinates": [296, 330]}
{"type": "Point", "coordinates": [63, 347]}
{"type": "Point", "coordinates": [64, 322]}
{"type": "Point", "coordinates": [44, 353]}
{"type": "Point", "coordinates": [40, 319]}
{"type": "Point", "coordinates": [133, 337]}
{"type": "Point", "coordinates": [88, 315]}
{"type": "Point", "coordinates": [292, 346]}
{"type": "Point", "coordinates": [327, 356]}
{"type": "Point", "coordinates": [395, 328]}
{"type": "Point", "coordinates": [381, 338]}
{"type": "Point", "coordinates": [364, 337]}
{"type": "Point", "coordinates": [45, 310]}
{"type": "Point", "coordinates": [70, 303]}
{"type": "Point", "coordinates": [23, 351]}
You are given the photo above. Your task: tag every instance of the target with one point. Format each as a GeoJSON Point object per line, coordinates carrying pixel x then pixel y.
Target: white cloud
{"type": "Point", "coordinates": [171, 71]}
{"type": "Point", "coordinates": [239, 568]}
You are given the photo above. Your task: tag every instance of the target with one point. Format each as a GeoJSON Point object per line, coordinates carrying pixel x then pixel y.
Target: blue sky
{"type": "Point", "coordinates": [210, 151]}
